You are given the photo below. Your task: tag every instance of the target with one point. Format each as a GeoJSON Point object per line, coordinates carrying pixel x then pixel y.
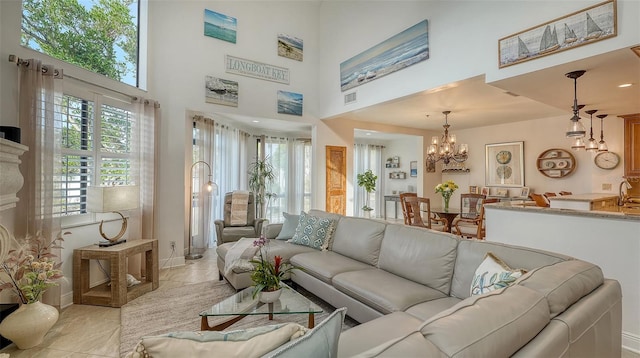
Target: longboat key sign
{"type": "Point", "coordinates": [263, 71]}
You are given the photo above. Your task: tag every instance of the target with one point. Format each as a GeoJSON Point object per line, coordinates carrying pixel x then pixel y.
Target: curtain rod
{"type": "Point", "coordinates": [59, 73]}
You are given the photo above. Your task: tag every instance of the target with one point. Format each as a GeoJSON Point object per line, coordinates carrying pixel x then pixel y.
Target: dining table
{"type": "Point", "coordinates": [448, 214]}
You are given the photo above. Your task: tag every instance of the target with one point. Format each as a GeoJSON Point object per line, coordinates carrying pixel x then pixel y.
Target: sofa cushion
{"type": "Point", "coordinates": [320, 342]}
{"type": "Point", "coordinates": [493, 274]}
{"type": "Point", "coordinates": [324, 265]}
{"type": "Point", "coordinates": [383, 291]}
{"type": "Point", "coordinates": [313, 231]}
{"type": "Point", "coordinates": [252, 342]}
{"type": "Point", "coordinates": [563, 283]}
{"type": "Point", "coordinates": [423, 256]}
{"type": "Point", "coordinates": [359, 239]}
{"type": "Point", "coordinates": [426, 310]}
{"type": "Point", "coordinates": [411, 345]}
{"type": "Point", "coordinates": [472, 252]}
{"type": "Point", "coordinates": [370, 334]}
{"type": "Point", "coordinates": [289, 226]}
{"type": "Point", "coordinates": [495, 324]}
{"type": "Point", "coordinates": [273, 248]}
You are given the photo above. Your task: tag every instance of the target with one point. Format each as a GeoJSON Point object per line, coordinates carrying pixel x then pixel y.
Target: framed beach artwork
{"type": "Point", "coordinates": [504, 164]}
{"type": "Point", "coordinates": [290, 47]}
{"type": "Point", "coordinates": [220, 26]}
{"type": "Point", "coordinates": [413, 168]}
{"type": "Point", "coordinates": [220, 91]}
{"type": "Point", "coordinates": [290, 103]}
{"type": "Point", "coordinates": [402, 50]}
{"type": "Point", "coordinates": [582, 27]}
{"type": "Point", "coordinates": [524, 192]}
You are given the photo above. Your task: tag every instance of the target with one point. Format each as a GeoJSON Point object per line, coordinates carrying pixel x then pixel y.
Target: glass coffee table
{"type": "Point", "coordinates": [242, 304]}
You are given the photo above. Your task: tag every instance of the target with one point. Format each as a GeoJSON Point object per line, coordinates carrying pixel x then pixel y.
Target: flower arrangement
{"type": "Point", "coordinates": [30, 269]}
{"type": "Point", "coordinates": [267, 275]}
{"type": "Point", "coordinates": [446, 189]}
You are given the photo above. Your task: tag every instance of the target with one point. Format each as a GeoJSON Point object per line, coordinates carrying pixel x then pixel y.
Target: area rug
{"type": "Point", "coordinates": [177, 309]}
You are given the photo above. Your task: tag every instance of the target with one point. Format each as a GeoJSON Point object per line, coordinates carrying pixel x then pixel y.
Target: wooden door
{"type": "Point", "coordinates": [336, 201]}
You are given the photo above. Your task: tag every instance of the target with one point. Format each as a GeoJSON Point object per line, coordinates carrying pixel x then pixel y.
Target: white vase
{"type": "Point", "coordinates": [27, 326]}
{"type": "Point", "coordinates": [269, 296]}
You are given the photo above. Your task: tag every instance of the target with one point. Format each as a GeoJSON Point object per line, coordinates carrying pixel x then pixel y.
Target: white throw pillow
{"type": "Point", "coordinates": [493, 274]}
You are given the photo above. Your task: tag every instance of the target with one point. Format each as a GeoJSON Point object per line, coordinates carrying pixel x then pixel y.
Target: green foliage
{"type": "Point", "coordinates": [87, 37]}
{"type": "Point", "coordinates": [367, 180]}
{"type": "Point", "coordinates": [261, 175]}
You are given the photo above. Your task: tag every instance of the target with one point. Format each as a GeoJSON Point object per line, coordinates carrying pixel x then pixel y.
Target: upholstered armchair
{"type": "Point", "coordinates": [228, 232]}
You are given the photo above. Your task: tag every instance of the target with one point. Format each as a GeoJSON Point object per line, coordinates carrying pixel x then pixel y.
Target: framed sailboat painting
{"type": "Point", "coordinates": [582, 27]}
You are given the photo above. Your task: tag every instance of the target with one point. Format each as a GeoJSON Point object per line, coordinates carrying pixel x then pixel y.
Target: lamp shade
{"type": "Point", "coordinates": [103, 199]}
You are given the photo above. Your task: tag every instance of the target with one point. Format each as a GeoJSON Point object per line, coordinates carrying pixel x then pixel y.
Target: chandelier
{"type": "Point", "coordinates": [445, 148]}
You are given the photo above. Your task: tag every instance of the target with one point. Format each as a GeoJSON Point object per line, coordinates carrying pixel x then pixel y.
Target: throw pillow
{"type": "Point", "coordinates": [313, 231]}
{"type": "Point", "coordinates": [320, 342]}
{"type": "Point", "coordinates": [252, 342]}
{"type": "Point", "coordinates": [493, 274]}
{"type": "Point", "coordinates": [289, 226]}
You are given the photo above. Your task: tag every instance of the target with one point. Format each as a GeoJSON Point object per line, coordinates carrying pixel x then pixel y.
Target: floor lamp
{"type": "Point", "coordinates": [210, 187]}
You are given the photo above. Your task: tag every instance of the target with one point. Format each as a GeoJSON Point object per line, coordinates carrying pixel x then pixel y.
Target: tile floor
{"type": "Point", "coordinates": [84, 331]}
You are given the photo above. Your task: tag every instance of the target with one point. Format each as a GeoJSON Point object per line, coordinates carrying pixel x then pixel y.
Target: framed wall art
{"type": "Point", "coordinates": [221, 91]}
{"type": "Point", "coordinates": [413, 168]}
{"type": "Point", "coordinates": [504, 164]}
{"type": "Point", "coordinates": [290, 103]}
{"type": "Point", "coordinates": [582, 27]}
{"type": "Point", "coordinates": [290, 47]}
{"type": "Point", "coordinates": [220, 26]}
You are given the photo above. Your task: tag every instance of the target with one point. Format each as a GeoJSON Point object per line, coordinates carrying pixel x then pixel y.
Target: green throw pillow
{"type": "Point", "coordinates": [289, 226]}
{"type": "Point", "coordinates": [493, 274]}
{"type": "Point", "coordinates": [313, 231]}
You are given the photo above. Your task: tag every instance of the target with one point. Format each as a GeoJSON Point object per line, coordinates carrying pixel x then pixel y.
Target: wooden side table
{"type": "Point", "coordinates": [117, 294]}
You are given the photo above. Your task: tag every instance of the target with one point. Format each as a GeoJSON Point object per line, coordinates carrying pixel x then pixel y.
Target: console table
{"type": "Point", "coordinates": [117, 293]}
{"type": "Point", "coordinates": [396, 200]}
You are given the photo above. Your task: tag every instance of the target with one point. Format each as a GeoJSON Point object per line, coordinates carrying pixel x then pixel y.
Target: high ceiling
{"type": "Point", "coordinates": [475, 103]}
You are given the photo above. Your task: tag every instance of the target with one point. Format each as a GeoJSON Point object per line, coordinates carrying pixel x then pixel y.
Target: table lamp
{"type": "Point", "coordinates": [103, 199]}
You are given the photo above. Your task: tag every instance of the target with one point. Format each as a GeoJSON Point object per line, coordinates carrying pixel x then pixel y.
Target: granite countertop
{"type": "Point", "coordinates": [591, 197]}
{"type": "Point", "coordinates": [618, 212]}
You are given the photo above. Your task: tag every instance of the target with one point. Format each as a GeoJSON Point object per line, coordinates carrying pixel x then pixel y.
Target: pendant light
{"type": "Point", "coordinates": [602, 145]}
{"type": "Point", "coordinates": [592, 144]}
{"type": "Point", "coordinates": [576, 129]}
{"type": "Point", "coordinates": [578, 142]}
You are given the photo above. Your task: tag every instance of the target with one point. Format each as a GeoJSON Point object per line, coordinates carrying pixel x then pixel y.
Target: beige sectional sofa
{"type": "Point", "coordinates": [410, 289]}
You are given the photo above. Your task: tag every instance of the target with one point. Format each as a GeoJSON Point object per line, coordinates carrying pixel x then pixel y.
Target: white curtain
{"type": "Point", "coordinates": [290, 164]}
{"type": "Point", "coordinates": [38, 99]}
{"type": "Point", "coordinates": [368, 156]}
{"type": "Point", "coordinates": [201, 225]}
{"type": "Point", "coordinates": [225, 150]}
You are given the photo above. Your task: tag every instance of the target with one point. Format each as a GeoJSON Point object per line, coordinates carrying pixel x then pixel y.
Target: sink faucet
{"type": "Point", "coordinates": [621, 196]}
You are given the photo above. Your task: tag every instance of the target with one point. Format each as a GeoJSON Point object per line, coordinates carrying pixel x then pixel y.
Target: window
{"type": "Point", "coordinates": [100, 36]}
{"type": "Point", "coordinates": [93, 152]}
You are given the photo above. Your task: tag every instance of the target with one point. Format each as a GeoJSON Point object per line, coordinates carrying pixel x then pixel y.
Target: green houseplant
{"type": "Point", "coordinates": [261, 174]}
{"type": "Point", "coordinates": [367, 180]}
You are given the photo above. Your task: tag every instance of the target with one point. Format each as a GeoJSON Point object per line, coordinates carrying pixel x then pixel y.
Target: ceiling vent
{"type": "Point", "coordinates": [350, 98]}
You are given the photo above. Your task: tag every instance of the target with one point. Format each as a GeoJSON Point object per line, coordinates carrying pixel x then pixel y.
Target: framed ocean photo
{"type": "Point", "coordinates": [290, 103]}
{"type": "Point", "coordinates": [407, 48]}
{"type": "Point", "coordinates": [290, 47]}
{"type": "Point", "coordinates": [220, 26]}
{"type": "Point", "coordinates": [221, 91]}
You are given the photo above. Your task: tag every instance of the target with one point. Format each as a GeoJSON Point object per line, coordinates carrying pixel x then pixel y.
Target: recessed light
{"type": "Point", "coordinates": [368, 133]}
{"type": "Point", "coordinates": [624, 85]}
{"type": "Point", "coordinates": [255, 121]}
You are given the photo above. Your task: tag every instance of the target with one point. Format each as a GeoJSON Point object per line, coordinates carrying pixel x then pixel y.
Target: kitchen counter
{"type": "Point", "coordinates": [590, 201]}
{"type": "Point", "coordinates": [616, 212]}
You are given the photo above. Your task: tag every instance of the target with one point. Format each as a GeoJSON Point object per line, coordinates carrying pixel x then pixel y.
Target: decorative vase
{"type": "Point", "coordinates": [446, 202]}
{"type": "Point", "coordinates": [27, 326]}
{"type": "Point", "coordinates": [269, 296]}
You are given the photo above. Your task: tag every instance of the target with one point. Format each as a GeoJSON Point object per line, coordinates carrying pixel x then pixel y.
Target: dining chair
{"type": "Point", "coordinates": [417, 205]}
{"type": "Point", "coordinates": [468, 227]}
{"type": "Point", "coordinates": [403, 204]}
{"type": "Point", "coordinates": [549, 194]}
{"type": "Point", "coordinates": [565, 193]}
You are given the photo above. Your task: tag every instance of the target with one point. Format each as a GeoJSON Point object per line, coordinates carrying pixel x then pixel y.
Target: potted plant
{"type": "Point", "coordinates": [446, 189]}
{"type": "Point", "coordinates": [260, 176]}
{"type": "Point", "coordinates": [267, 275]}
{"type": "Point", "coordinates": [367, 180]}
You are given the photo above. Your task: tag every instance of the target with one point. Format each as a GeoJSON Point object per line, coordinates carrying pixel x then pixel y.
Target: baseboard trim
{"type": "Point", "coordinates": [631, 342]}
{"type": "Point", "coordinates": [66, 300]}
